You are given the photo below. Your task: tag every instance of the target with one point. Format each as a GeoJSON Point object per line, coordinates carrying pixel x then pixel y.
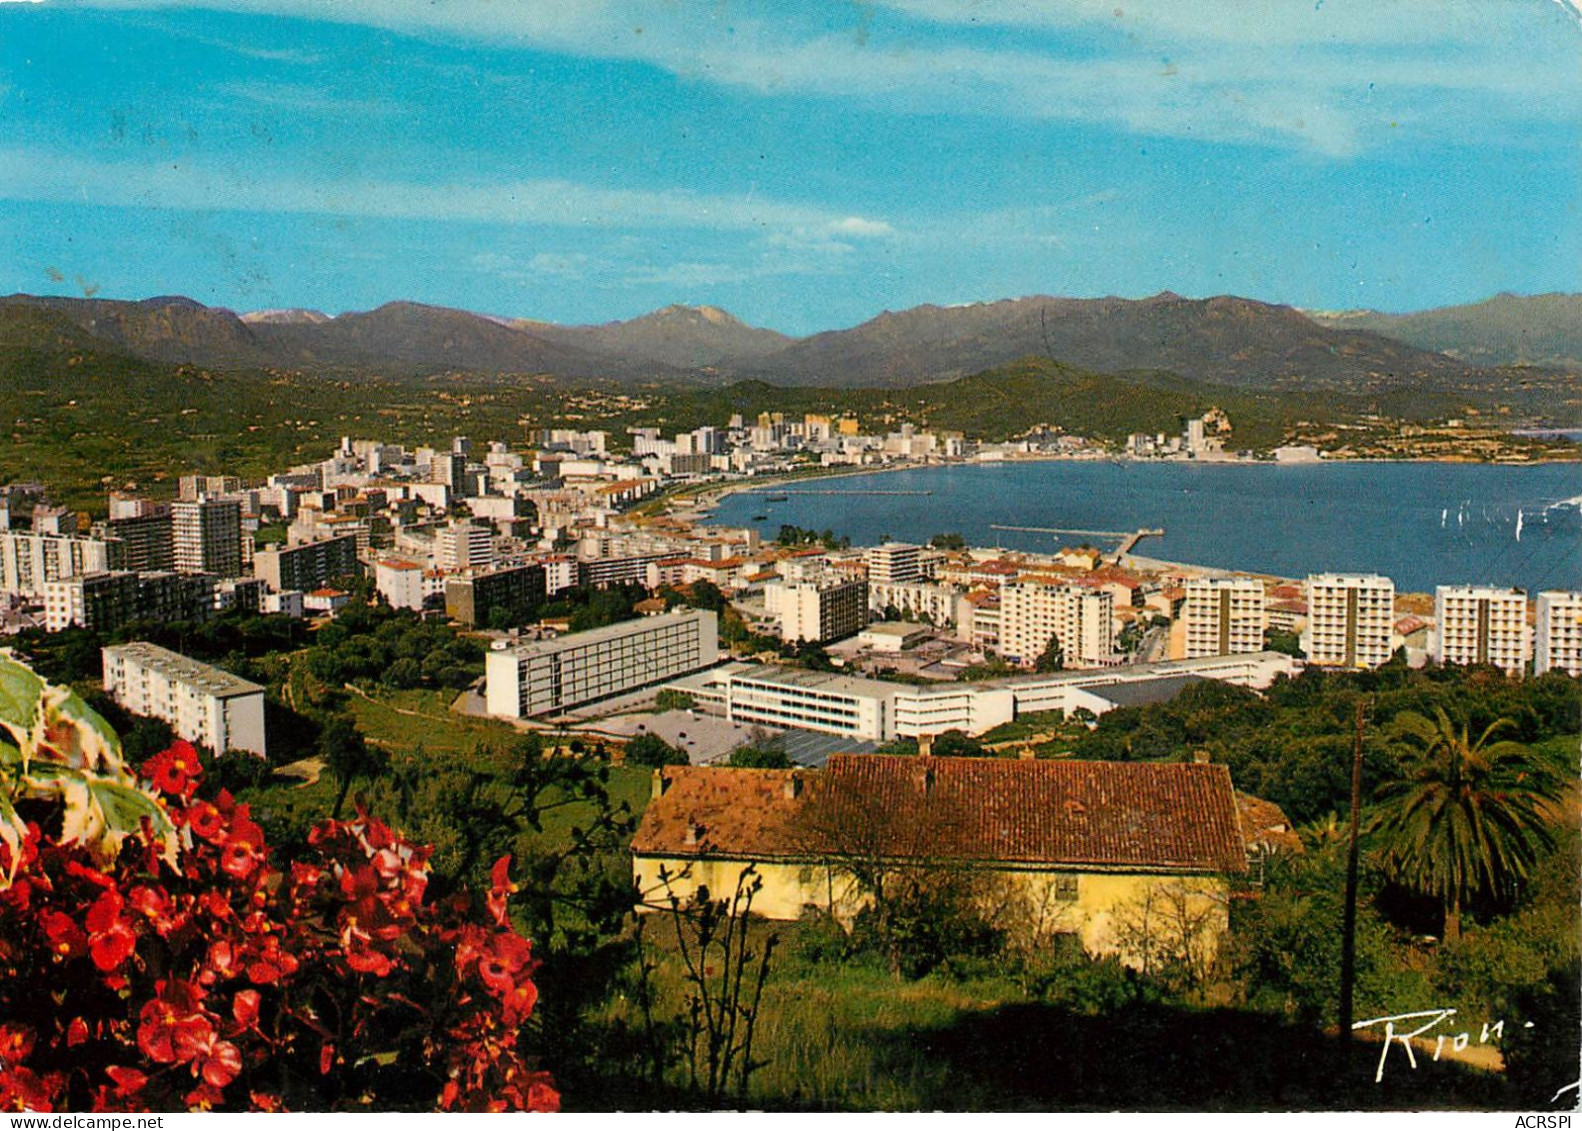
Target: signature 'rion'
{"type": "Point", "coordinates": [1431, 1019]}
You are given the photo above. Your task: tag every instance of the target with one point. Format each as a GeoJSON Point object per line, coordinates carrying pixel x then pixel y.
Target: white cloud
{"type": "Point", "coordinates": [1302, 73]}
{"type": "Point", "coordinates": [45, 175]}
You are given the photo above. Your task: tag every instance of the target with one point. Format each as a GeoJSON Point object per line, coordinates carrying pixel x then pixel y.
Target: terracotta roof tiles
{"type": "Point", "coordinates": [1148, 816]}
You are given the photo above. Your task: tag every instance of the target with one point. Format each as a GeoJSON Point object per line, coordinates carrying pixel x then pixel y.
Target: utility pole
{"type": "Point", "coordinates": [1348, 942]}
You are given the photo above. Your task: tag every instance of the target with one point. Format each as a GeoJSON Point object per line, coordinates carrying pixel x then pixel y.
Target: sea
{"type": "Point", "coordinates": [1421, 524]}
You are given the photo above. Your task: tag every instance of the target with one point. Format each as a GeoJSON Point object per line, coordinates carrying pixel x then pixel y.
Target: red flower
{"type": "Point", "coordinates": [244, 848]}
{"type": "Point", "coordinates": [110, 937]}
{"type": "Point", "coordinates": [244, 1007]}
{"type": "Point", "coordinates": [175, 771]}
{"type": "Point", "coordinates": [173, 1030]}
{"type": "Point", "coordinates": [76, 1032]}
{"type": "Point", "coordinates": [128, 1081]}
{"type": "Point", "coordinates": [66, 938]}
{"type": "Point", "coordinates": [206, 821]}
{"type": "Point", "coordinates": [501, 887]}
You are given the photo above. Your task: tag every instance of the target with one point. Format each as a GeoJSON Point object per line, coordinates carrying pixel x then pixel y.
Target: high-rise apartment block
{"type": "Point", "coordinates": [1224, 616]}
{"type": "Point", "coordinates": [1558, 646]}
{"type": "Point", "coordinates": [509, 594]}
{"type": "Point", "coordinates": [201, 703]}
{"type": "Point", "coordinates": [827, 608]}
{"type": "Point", "coordinates": [556, 675]}
{"type": "Point", "coordinates": [148, 539]}
{"type": "Point", "coordinates": [1081, 618]}
{"type": "Point", "coordinates": [308, 565]}
{"type": "Point", "coordinates": [894, 562]}
{"type": "Point", "coordinates": [104, 602]}
{"type": "Point", "coordinates": [1350, 618]}
{"type": "Point", "coordinates": [463, 545]}
{"type": "Point", "coordinates": [207, 536]}
{"type": "Point", "coordinates": [1481, 625]}
{"type": "Point", "coordinates": [30, 560]}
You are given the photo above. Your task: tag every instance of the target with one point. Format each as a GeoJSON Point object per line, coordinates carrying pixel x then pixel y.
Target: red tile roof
{"type": "Point", "coordinates": [1145, 816]}
{"type": "Point", "coordinates": [1266, 826]}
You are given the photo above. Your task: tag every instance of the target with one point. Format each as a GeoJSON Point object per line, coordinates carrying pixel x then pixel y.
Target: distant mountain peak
{"type": "Point", "coordinates": [285, 316]}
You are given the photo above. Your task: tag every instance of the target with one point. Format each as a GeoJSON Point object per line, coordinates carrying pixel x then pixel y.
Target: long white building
{"type": "Point", "coordinates": [1224, 616]}
{"type": "Point", "coordinates": [1481, 624]}
{"type": "Point", "coordinates": [201, 703]}
{"type": "Point", "coordinates": [1080, 617]}
{"type": "Point", "coordinates": [1558, 646]}
{"type": "Point", "coordinates": [30, 560]}
{"type": "Point", "coordinates": [556, 675]}
{"type": "Point", "coordinates": [877, 711]}
{"type": "Point", "coordinates": [1350, 617]}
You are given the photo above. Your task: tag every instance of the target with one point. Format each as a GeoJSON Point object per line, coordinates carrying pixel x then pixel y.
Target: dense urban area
{"type": "Point", "coordinates": [1080, 805]}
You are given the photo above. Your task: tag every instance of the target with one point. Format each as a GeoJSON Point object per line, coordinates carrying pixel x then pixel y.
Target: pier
{"type": "Point", "coordinates": [774, 491]}
{"type": "Point", "coordinates": [1128, 538]}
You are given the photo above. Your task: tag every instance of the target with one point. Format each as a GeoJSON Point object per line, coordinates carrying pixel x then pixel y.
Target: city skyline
{"type": "Point", "coordinates": [804, 171]}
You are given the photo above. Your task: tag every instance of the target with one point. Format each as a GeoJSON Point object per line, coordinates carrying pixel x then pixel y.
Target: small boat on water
{"type": "Point", "coordinates": [778, 498]}
{"type": "Point", "coordinates": [760, 518]}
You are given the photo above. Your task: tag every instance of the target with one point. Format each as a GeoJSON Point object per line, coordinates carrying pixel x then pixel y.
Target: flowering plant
{"type": "Point", "coordinates": [153, 956]}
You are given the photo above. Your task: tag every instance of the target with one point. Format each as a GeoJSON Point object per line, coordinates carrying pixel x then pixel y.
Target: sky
{"type": "Point", "coordinates": [805, 166]}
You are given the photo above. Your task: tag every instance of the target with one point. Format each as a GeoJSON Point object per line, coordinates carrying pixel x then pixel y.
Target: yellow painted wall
{"type": "Point", "coordinates": [1138, 917]}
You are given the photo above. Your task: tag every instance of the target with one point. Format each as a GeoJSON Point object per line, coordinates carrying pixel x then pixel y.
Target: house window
{"type": "Point", "coordinates": [1066, 889]}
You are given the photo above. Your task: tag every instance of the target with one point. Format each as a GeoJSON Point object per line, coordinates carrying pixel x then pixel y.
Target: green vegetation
{"type": "Point", "coordinates": [651, 750]}
{"type": "Point", "coordinates": [795, 536]}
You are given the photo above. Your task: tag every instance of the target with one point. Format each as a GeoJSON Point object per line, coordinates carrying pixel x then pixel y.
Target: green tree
{"type": "Point", "coordinates": [959, 744]}
{"type": "Point", "coordinates": [1468, 818]}
{"type": "Point", "coordinates": [348, 756]}
{"type": "Point", "coordinates": [759, 758]}
{"type": "Point", "coordinates": [1052, 658]}
{"type": "Point", "coordinates": [651, 750]}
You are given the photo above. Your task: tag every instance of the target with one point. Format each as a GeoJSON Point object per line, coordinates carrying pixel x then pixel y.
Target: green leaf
{"type": "Point", "coordinates": [20, 690]}
{"type": "Point", "coordinates": [12, 830]}
{"type": "Point", "coordinates": [78, 734]}
{"type": "Point", "coordinates": [124, 810]}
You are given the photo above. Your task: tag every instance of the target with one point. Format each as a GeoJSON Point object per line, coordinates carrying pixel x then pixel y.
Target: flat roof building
{"type": "Point", "coordinates": [1481, 624]}
{"type": "Point", "coordinates": [1350, 619]}
{"type": "Point", "coordinates": [1559, 638]}
{"type": "Point", "coordinates": [1224, 616]}
{"type": "Point", "coordinates": [557, 675]}
{"type": "Point", "coordinates": [202, 704]}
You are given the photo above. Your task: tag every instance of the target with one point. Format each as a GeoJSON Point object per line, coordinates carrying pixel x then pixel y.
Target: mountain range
{"type": "Point", "coordinates": [1224, 340]}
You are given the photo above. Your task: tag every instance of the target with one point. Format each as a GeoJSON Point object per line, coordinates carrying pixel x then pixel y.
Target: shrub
{"type": "Point", "coordinates": [153, 957]}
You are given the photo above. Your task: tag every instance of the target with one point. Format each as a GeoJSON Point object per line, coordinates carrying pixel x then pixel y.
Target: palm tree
{"type": "Point", "coordinates": [1468, 818]}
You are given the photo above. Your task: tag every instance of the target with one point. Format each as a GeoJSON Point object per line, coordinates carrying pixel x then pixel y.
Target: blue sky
{"type": "Point", "coordinates": [802, 165]}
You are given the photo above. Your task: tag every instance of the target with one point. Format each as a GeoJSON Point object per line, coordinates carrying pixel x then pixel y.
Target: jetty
{"type": "Point", "coordinates": [831, 491]}
{"type": "Point", "coordinates": [1128, 538]}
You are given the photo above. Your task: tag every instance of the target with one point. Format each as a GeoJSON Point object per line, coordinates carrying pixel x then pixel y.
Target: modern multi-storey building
{"type": "Point", "coordinates": [308, 565]}
{"type": "Point", "coordinates": [1559, 639]}
{"type": "Point", "coordinates": [207, 536]}
{"type": "Point", "coordinates": [30, 560]}
{"type": "Point", "coordinates": [556, 675]}
{"type": "Point", "coordinates": [510, 593]}
{"type": "Point", "coordinates": [1081, 618]}
{"type": "Point", "coordinates": [1223, 616]}
{"type": "Point", "coordinates": [893, 563]}
{"type": "Point", "coordinates": [104, 602]}
{"type": "Point", "coordinates": [915, 601]}
{"type": "Point", "coordinates": [201, 703]}
{"type": "Point", "coordinates": [148, 538]}
{"type": "Point", "coordinates": [1350, 617]}
{"type": "Point", "coordinates": [191, 488]}
{"type": "Point", "coordinates": [400, 582]}
{"type": "Point", "coordinates": [829, 608]}
{"type": "Point", "coordinates": [463, 545]}
{"type": "Point", "coordinates": [806, 700]}
{"type": "Point", "coordinates": [1481, 624]}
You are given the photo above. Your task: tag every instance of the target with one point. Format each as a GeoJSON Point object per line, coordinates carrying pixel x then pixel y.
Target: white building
{"type": "Point", "coordinates": [462, 545]}
{"type": "Point", "coordinates": [808, 700]}
{"type": "Point", "coordinates": [893, 563]}
{"type": "Point", "coordinates": [556, 675]}
{"type": "Point", "coordinates": [829, 608]}
{"type": "Point", "coordinates": [30, 560]}
{"type": "Point", "coordinates": [1224, 616]}
{"type": "Point", "coordinates": [1350, 617]}
{"type": "Point", "coordinates": [1559, 642]}
{"type": "Point", "coordinates": [400, 582]}
{"type": "Point", "coordinates": [1081, 618]}
{"type": "Point", "coordinates": [202, 704]}
{"type": "Point", "coordinates": [1481, 624]}
{"type": "Point", "coordinates": [207, 537]}
{"type": "Point", "coordinates": [915, 600]}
